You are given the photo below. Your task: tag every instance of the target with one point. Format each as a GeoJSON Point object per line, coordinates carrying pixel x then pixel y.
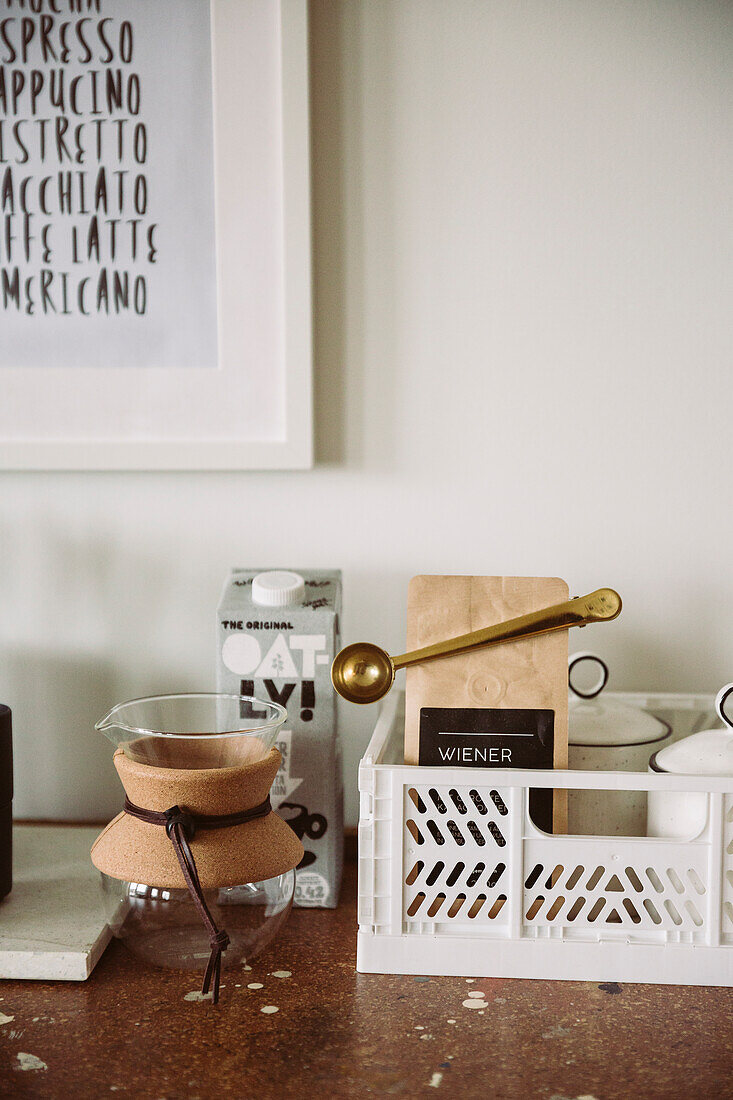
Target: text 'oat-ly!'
{"type": "Point", "coordinates": [277, 634]}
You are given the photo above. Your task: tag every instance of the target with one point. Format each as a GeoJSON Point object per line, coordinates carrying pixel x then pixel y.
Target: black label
{"type": "Point", "coordinates": [469, 737]}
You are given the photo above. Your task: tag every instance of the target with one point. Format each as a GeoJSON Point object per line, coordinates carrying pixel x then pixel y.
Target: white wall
{"type": "Point", "coordinates": [523, 334]}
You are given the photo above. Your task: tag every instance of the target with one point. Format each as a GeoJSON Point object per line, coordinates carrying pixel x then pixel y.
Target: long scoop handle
{"type": "Point", "coordinates": [600, 606]}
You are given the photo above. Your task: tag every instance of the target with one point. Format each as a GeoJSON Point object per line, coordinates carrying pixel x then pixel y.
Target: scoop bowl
{"type": "Point", "coordinates": [362, 672]}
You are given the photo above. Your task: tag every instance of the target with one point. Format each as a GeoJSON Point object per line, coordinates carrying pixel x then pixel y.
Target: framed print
{"type": "Point", "coordinates": [155, 282]}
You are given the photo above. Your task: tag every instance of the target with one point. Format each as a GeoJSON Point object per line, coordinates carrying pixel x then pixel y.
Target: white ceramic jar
{"type": "Point", "coordinates": [710, 752]}
{"type": "Point", "coordinates": [606, 735]}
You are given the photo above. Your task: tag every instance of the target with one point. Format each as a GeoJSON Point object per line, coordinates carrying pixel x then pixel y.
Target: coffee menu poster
{"type": "Point", "coordinates": [107, 230]}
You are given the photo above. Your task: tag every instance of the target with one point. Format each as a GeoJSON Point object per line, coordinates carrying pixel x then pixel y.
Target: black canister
{"type": "Point", "coordinates": [6, 800]}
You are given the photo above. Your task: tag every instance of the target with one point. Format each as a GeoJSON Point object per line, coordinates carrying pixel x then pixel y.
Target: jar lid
{"type": "Point", "coordinates": [709, 752]}
{"type": "Point", "coordinates": [278, 588]}
{"type": "Point", "coordinates": [6, 755]}
{"type": "Point", "coordinates": [608, 723]}
{"type": "Point", "coordinates": [612, 724]}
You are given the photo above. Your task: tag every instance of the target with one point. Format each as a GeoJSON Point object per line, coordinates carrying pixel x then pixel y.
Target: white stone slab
{"type": "Point", "coordinates": [52, 924]}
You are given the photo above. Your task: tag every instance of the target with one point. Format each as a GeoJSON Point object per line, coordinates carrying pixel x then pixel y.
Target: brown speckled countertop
{"type": "Point", "coordinates": [130, 1031]}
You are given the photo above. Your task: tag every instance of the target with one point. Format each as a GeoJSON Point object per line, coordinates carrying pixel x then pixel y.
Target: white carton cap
{"type": "Point", "coordinates": [278, 588]}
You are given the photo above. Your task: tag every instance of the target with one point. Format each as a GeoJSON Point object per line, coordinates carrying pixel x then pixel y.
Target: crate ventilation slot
{"type": "Point", "coordinates": [457, 801]}
{"type": "Point", "coordinates": [471, 827]}
{"type": "Point", "coordinates": [603, 895]}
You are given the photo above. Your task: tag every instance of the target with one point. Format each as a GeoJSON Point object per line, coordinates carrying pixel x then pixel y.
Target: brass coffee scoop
{"type": "Point", "coordinates": [363, 672]}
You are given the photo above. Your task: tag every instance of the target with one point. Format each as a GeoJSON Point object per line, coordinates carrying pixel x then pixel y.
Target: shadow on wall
{"type": "Point", "coordinates": [329, 231]}
{"type": "Point", "coordinates": [113, 629]}
{"type": "Point", "coordinates": [63, 768]}
{"type": "Point", "coordinates": [353, 213]}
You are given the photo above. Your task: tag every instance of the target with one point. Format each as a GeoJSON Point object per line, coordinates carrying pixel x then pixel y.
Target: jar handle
{"type": "Point", "coordinates": [590, 693]}
{"type": "Point", "coordinates": [720, 700]}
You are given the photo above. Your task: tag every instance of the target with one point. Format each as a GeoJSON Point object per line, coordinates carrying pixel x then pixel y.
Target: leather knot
{"type": "Point", "coordinates": [176, 816]}
{"type": "Point", "coordinates": [220, 940]}
{"type": "Point", "coordinates": [179, 839]}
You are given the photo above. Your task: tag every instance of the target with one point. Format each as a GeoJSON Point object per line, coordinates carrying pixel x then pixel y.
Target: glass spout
{"type": "Point", "coordinates": [194, 730]}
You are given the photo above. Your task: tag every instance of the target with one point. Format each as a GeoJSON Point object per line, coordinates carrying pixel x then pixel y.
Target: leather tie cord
{"type": "Point", "coordinates": [181, 828]}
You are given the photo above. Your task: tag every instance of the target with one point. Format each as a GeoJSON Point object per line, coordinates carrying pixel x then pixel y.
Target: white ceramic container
{"type": "Point", "coordinates": [709, 752]}
{"type": "Point", "coordinates": [608, 735]}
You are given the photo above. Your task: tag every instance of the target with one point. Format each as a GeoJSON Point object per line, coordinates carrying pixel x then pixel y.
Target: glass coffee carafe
{"type": "Point", "coordinates": [194, 730]}
{"type": "Point", "coordinates": [215, 736]}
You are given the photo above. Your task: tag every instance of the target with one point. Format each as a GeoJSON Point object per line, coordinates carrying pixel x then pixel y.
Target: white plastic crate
{"type": "Point", "coordinates": [454, 877]}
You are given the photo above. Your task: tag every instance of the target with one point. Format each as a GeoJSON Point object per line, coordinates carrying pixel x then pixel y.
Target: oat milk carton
{"type": "Point", "coordinates": [277, 634]}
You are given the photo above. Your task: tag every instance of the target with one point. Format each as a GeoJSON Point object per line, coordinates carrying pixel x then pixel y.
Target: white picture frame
{"type": "Point", "coordinates": [286, 443]}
